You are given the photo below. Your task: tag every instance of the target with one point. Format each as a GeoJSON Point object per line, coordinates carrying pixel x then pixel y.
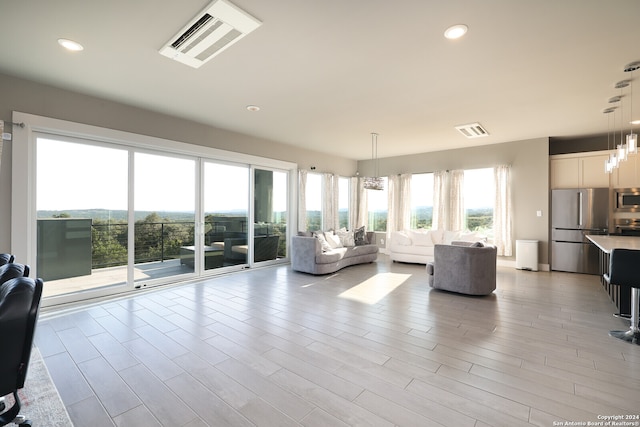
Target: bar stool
{"type": "Point", "coordinates": [623, 271]}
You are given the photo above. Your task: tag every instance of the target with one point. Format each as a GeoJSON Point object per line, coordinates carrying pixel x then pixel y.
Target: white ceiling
{"type": "Point", "coordinates": [328, 73]}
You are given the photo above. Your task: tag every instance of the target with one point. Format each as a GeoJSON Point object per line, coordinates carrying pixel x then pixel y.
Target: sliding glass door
{"type": "Point", "coordinates": [82, 221]}
{"type": "Point", "coordinates": [270, 215]}
{"type": "Point", "coordinates": [164, 216]}
{"type": "Point", "coordinates": [108, 212]}
{"type": "Point", "coordinates": [226, 215]}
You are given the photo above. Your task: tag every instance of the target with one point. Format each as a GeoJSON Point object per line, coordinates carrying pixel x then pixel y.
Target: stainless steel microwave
{"type": "Point", "coordinates": [627, 200]}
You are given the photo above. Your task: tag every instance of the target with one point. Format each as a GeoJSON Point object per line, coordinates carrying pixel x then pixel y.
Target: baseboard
{"type": "Point", "coordinates": [512, 264]}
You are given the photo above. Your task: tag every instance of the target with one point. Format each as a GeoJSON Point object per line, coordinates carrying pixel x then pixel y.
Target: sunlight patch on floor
{"type": "Point", "coordinates": [374, 289]}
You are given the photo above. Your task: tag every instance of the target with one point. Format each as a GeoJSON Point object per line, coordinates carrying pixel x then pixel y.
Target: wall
{"type": "Point", "coordinates": [29, 97]}
{"type": "Point", "coordinates": [529, 162]}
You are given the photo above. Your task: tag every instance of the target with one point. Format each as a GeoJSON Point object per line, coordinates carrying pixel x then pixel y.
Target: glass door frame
{"type": "Point", "coordinates": [201, 229]}
{"type": "Point", "coordinates": [290, 198]}
{"type": "Point", "coordinates": [23, 191]}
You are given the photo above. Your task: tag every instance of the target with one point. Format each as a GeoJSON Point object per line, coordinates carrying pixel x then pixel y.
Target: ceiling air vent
{"type": "Point", "coordinates": [217, 27]}
{"type": "Point", "coordinates": [472, 130]}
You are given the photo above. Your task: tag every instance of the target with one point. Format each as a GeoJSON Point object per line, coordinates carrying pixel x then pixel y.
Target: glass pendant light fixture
{"type": "Point", "coordinates": [609, 163]}
{"type": "Point", "coordinates": [375, 182]}
{"type": "Point", "coordinates": [622, 146]}
{"type": "Point", "coordinates": [632, 138]}
{"type": "Point", "coordinates": [613, 155]}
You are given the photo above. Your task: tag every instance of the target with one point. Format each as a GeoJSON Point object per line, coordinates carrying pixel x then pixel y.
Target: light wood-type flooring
{"type": "Point", "coordinates": [371, 345]}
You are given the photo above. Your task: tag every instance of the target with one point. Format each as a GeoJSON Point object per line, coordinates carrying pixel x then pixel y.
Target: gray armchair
{"type": "Point", "coordinates": [463, 267]}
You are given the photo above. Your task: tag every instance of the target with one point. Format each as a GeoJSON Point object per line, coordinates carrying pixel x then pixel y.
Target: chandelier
{"type": "Point", "coordinates": [375, 182]}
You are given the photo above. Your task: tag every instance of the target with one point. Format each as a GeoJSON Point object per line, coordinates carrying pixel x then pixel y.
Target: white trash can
{"type": "Point", "coordinates": [527, 255]}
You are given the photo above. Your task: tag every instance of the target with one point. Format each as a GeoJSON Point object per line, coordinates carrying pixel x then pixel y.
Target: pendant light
{"type": "Point", "coordinates": [609, 163]}
{"type": "Point", "coordinates": [375, 182]}
{"type": "Point", "coordinates": [613, 155]}
{"type": "Point", "coordinates": [632, 138]}
{"type": "Point", "coordinates": [622, 146]}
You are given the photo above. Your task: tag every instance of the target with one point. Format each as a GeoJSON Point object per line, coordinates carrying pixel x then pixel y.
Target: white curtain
{"type": "Point", "coordinates": [329, 201]}
{"type": "Point", "coordinates": [440, 200]}
{"type": "Point", "coordinates": [302, 200]}
{"type": "Point", "coordinates": [405, 202]}
{"type": "Point", "coordinates": [399, 203]}
{"type": "Point", "coordinates": [393, 190]}
{"type": "Point", "coordinates": [336, 202]}
{"type": "Point", "coordinates": [363, 205]}
{"type": "Point", "coordinates": [456, 201]}
{"type": "Point", "coordinates": [502, 227]}
{"type": "Point", "coordinates": [353, 202]}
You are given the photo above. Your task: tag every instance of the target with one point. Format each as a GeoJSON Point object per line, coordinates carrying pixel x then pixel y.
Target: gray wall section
{"type": "Point", "coordinates": [529, 162]}
{"type": "Point", "coordinates": [529, 159]}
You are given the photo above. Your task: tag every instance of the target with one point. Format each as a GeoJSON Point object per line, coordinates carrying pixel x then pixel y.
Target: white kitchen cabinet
{"type": "Point", "coordinates": [627, 175]}
{"type": "Point", "coordinates": [582, 170]}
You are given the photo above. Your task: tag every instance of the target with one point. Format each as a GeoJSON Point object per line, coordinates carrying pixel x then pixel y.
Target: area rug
{"type": "Point", "coordinates": [40, 400]}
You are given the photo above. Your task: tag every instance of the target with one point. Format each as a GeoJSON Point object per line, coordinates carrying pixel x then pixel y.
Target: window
{"type": "Point", "coordinates": [479, 198]}
{"type": "Point", "coordinates": [164, 210]}
{"type": "Point", "coordinates": [82, 213]}
{"type": "Point", "coordinates": [378, 208]}
{"type": "Point", "coordinates": [343, 202]}
{"type": "Point", "coordinates": [270, 226]}
{"type": "Point", "coordinates": [421, 200]}
{"type": "Point", "coordinates": [226, 210]}
{"type": "Point", "coordinates": [314, 201]}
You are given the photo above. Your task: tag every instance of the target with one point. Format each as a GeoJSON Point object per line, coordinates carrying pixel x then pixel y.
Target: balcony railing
{"type": "Point", "coordinates": [154, 241]}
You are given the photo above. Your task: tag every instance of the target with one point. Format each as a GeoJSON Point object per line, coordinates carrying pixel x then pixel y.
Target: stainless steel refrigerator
{"type": "Point", "coordinates": [574, 214]}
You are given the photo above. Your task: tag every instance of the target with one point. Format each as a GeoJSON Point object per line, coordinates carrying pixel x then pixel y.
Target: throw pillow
{"type": "Point", "coordinates": [421, 239]}
{"type": "Point", "coordinates": [323, 242]}
{"type": "Point", "coordinates": [400, 238]}
{"type": "Point", "coordinates": [346, 237]}
{"type": "Point", "coordinates": [360, 237]}
{"type": "Point", "coordinates": [436, 236]}
{"type": "Point", "coordinates": [332, 239]}
{"type": "Point", "coordinates": [469, 236]}
{"type": "Point", "coordinates": [472, 236]}
{"type": "Point", "coordinates": [450, 236]}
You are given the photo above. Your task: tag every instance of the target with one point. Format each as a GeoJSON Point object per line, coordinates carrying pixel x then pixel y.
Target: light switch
{"type": "Point", "coordinates": [538, 213]}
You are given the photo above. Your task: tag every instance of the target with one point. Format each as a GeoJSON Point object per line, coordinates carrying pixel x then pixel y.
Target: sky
{"type": "Point", "coordinates": [80, 176]}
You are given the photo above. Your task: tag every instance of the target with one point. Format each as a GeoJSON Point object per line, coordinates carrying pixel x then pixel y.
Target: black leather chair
{"type": "Point", "coordinates": [6, 259]}
{"type": "Point", "coordinates": [623, 271]}
{"type": "Point", "coordinates": [7, 272]}
{"type": "Point", "coordinates": [19, 307]}
{"type": "Point", "coordinates": [13, 270]}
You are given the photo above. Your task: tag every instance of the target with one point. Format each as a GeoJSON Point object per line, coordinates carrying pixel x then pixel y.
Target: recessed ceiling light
{"type": "Point", "coordinates": [253, 108]}
{"type": "Point", "coordinates": [70, 45]}
{"type": "Point", "coordinates": [456, 31]}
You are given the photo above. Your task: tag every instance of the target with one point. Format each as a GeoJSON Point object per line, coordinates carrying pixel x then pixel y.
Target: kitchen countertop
{"type": "Point", "coordinates": [606, 243]}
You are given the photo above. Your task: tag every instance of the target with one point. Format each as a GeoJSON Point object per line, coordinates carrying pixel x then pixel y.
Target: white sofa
{"type": "Point", "coordinates": [417, 246]}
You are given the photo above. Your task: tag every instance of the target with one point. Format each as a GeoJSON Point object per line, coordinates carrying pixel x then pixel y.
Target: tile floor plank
{"type": "Point", "coordinates": [157, 397]}
{"type": "Point", "coordinates": [113, 392]}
